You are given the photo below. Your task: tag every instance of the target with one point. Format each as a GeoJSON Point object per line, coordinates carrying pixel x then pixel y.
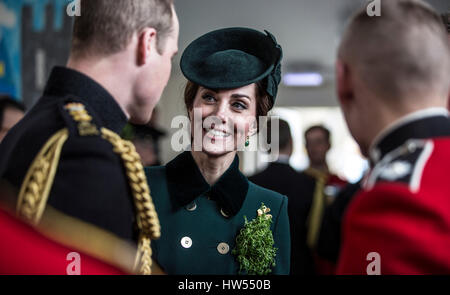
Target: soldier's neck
{"type": "Point", "coordinates": [111, 74]}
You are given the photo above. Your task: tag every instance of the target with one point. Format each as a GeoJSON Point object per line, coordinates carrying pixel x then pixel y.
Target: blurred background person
{"type": "Point", "coordinates": [329, 237]}
{"type": "Point", "coordinates": [318, 144]}
{"type": "Point", "coordinates": [157, 133]}
{"type": "Point", "coordinates": [279, 176]}
{"type": "Point", "coordinates": [145, 138]}
{"type": "Point", "coordinates": [11, 112]}
{"type": "Point", "coordinates": [326, 187]}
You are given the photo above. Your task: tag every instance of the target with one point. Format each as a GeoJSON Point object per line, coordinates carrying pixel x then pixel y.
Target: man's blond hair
{"type": "Point", "coordinates": [402, 52]}
{"type": "Point", "coordinates": [107, 26]}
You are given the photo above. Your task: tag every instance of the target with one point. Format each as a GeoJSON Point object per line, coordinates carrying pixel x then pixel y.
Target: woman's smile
{"type": "Point", "coordinates": [216, 133]}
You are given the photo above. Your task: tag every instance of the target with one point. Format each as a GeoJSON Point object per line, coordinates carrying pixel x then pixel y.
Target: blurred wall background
{"type": "Point", "coordinates": [34, 36]}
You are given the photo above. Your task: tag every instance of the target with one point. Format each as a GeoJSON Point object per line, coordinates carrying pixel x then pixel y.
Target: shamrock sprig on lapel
{"type": "Point", "coordinates": [254, 244]}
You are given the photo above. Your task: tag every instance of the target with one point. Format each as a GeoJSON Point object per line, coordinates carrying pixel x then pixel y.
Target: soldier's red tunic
{"type": "Point", "coordinates": [25, 251]}
{"type": "Point", "coordinates": [403, 213]}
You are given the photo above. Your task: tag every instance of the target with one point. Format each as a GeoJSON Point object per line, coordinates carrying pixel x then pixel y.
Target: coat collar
{"type": "Point", "coordinates": [186, 183]}
{"type": "Point", "coordinates": [424, 124]}
{"type": "Point", "coordinates": [67, 82]}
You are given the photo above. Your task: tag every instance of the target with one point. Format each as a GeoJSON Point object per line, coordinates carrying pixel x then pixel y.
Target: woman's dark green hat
{"type": "Point", "coordinates": [233, 57]}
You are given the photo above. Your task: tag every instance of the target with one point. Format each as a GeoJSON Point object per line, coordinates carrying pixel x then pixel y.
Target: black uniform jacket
{"type": "Point", "coordinates": [90, 181]}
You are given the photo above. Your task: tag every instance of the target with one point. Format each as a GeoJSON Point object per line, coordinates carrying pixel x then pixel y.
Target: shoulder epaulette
{"type": "Point", "coordinates": [38, 181]}
{"type": "Point", "coordinates": [84, 121]}
{"type": "Point", "coordinates": [403, 165]}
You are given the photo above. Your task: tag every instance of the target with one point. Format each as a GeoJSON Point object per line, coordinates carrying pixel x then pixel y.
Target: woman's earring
{"type": "Point", "coordinates": [247, 142]}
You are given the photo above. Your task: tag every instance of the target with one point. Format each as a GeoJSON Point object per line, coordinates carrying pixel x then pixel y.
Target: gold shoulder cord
{"type": "Point", "coordinates": [40, 176]}
{"type": "Point", "coordinates": [147, 219]}
{"type": "Point", "coordinates": [38, 181]}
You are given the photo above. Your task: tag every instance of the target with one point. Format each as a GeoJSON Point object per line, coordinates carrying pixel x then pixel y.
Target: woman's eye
{"type": "Point", "coordinates": [209, 98]}
{"type": "Point", "coordinates": [240, 105]}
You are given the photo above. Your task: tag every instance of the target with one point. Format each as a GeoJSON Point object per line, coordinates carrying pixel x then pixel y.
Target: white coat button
{"type": "Point", "coordinates": [186, 242]}
{"type": "Point", "coordinates": [191, 207]}
{"type": "Point", "coordinates": [223, 248]}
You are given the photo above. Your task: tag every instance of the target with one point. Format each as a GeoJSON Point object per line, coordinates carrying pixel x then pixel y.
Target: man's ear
{"type": "Point", "coordinates": [146, 45]}
{"type": "Point", "coordinates": [344, 82]}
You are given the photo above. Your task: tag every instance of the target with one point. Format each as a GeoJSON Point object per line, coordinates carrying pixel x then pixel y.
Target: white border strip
{"type": "Point", "coordinates": [416, 178]}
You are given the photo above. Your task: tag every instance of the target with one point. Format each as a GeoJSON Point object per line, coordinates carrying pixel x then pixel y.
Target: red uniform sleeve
{"type": "Point", "coordinates": [410, 232]}
{"type": "Point", "coordinates": [24, 251]}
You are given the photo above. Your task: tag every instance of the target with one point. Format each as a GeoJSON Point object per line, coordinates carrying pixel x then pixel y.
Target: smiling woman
{"type": "Point", "coordinates": [201, 197]}
{"type": "Point", "coordinates": [227, 118]}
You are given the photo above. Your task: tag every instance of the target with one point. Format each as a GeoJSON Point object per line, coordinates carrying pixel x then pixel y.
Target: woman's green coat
{"type": "Point", "coordinates": [199, 223]}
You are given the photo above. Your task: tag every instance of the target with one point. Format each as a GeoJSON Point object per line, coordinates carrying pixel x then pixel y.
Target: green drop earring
{"type": "Point", "coordinates": [247, 142]}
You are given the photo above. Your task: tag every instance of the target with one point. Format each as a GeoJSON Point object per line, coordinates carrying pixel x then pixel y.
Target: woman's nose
{"type": "Point", "coordinates": [222, 112]}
